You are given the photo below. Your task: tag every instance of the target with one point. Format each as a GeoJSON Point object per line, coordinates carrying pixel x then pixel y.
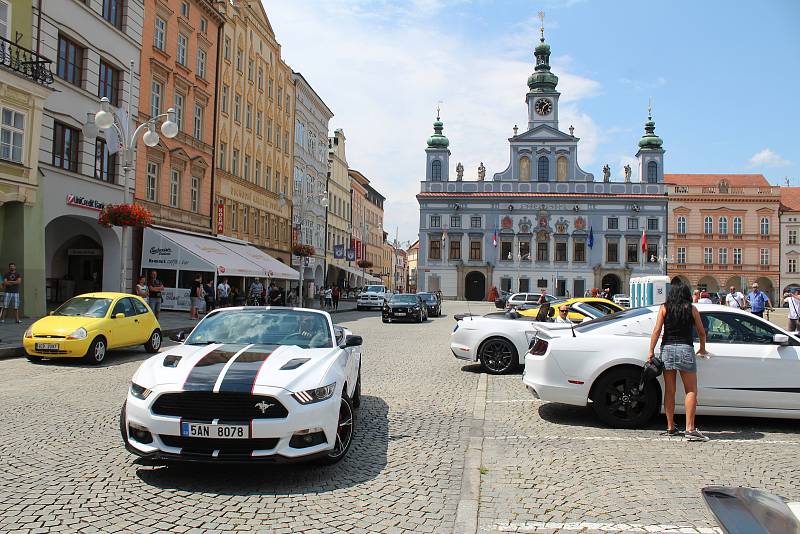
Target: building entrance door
{"type": "Point", "coordinates": [475, 286]}
{"type": "Point", "coordinates": [612, 282]}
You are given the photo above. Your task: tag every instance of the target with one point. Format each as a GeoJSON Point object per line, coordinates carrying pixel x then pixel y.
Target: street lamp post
{"type": "Point", "coordinates": [103, 120]}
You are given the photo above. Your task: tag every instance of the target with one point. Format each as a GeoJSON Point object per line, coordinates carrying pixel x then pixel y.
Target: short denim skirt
{"type": "Point", "coordinates": [679, 358]}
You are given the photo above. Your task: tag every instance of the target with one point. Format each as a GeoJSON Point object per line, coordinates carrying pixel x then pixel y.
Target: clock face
{"type": "Point", "coordinates": [543, 106]}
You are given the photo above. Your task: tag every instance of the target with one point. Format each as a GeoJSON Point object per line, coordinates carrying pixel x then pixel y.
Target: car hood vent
{"type": "Point", "coordinates": [172, 360]}
{"type": "Point", "coordinates": [294, 363]}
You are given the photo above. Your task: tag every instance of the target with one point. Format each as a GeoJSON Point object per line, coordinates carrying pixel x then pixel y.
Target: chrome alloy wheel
{"type": "Point", "coordinates": [344, 430]}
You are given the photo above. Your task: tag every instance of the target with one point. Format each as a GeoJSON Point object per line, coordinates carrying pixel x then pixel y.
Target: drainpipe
{"type": "Point", "coordinates": [220, 37]}
{"type": "Point", "coordinates": [38, 26]}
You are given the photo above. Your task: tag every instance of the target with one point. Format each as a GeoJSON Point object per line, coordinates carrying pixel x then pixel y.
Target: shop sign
{"type": "Point", "coordinates": [84, 202]}
{"type": "Point", "coordinates": [351, 254]}
{"type": "Point", "coordinates": [220, 218]}
{"type": "Point", "coordinates": [176, 298]}
{"type": "Point", "coordinates": [84, 252]}
{"type": "Point", "coordinates": [338, 252]}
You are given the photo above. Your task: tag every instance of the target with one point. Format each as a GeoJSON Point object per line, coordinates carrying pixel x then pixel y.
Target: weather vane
{"type": "Point", "coordinates": [541, 28]}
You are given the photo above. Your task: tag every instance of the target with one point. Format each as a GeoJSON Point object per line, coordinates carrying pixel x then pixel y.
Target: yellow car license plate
{"type": "Point", "coordinates": [46, 346]}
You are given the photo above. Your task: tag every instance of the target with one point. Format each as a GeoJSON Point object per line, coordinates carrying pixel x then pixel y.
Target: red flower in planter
{"type": "Point", "coordinates": [125, 215]}
{"type": "Point", "coordinates": [303, 251]}
{"type": "Point", "coordinates": [364, 264]}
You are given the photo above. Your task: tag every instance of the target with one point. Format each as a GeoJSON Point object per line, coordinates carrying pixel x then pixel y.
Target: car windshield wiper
{"type": "Point", "coordinates": [203, 342]}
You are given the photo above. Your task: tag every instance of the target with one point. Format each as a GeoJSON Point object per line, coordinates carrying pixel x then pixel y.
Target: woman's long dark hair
{"type": "Point", "coordinates": [679, 304]}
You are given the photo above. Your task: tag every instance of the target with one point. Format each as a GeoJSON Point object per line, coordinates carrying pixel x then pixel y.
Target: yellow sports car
{"type": "Point", "coordinates": [601, 304]}
{"type": "Point", "coordinates": [88, 325]}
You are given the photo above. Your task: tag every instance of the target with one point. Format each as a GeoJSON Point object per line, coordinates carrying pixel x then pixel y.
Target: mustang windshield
{"type": "Point", "coordinates": [403, 299]}
{"type": "Point", "coordinates": [588, 326]}
{"type": "Point", "coordinates": [264, 327]}
{"type": "Point", "coordinates": [84, 307]}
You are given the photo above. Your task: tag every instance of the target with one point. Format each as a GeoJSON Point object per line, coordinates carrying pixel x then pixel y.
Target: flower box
{"type": "Point", "coordinates": [125, 215]}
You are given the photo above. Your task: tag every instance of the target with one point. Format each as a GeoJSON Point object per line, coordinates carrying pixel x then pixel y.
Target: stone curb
{"type": "Point", "coordinates": [8, 353]}
{"type": "Point", "coordinates": [467, 510]}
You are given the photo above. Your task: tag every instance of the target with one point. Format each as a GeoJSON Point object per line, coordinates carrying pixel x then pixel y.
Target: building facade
{"type": "Point", "coordinates": [178, 70]}
{"type": "Point", "coordinates": [255, 131]}
{"type": "Point", "coordinates": [412, 253]}
{"type": "Point", "coordinates": [790, 228]}
{"type": "Point", "coordinates": [543, 222]}
{"type": "Point", "coordinates": [368, 225]}
{"type": "Point", "coordinates": [724, 231]}
{"type": "Point", "coordinates": [24, 87]}
{"type": "Point", "coordinates": [310, 198]}
{"type": "Point", "coordinates": [341, 270]}
{"type": "Point", "coordinates": [93, 47]}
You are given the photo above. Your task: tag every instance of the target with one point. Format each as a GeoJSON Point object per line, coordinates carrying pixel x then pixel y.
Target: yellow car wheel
{"type": "Point", "coordinates": [97, 351]}
{"type": "Point", "coordinates": [153, 344]}
{"type": "Point", "coordinates": [34, 359]}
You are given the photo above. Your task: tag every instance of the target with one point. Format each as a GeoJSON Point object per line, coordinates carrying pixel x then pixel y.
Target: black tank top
{"type": "Point", "coordinates": [677, 332]}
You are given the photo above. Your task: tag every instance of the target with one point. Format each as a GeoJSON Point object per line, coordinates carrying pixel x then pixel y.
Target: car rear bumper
{"type": "Point", "coordinates": [546, 381]}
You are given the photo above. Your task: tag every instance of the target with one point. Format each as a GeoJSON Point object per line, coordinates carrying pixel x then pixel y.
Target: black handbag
{"type": "Point", "coordinates": [651, 371]}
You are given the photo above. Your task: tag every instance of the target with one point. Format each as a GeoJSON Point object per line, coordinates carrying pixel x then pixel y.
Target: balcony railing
{"type": "Point", "coordinates": [26, 63]}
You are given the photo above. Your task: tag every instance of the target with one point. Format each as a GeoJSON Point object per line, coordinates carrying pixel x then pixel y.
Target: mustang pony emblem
{"type": "Point", "coordinates": [264, 406]}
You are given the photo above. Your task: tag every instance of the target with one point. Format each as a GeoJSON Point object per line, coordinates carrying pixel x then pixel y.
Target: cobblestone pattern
{"type": "Point", "coordinates": [554, 464]}
{"type": "Point", "coordinates": [65, 469]}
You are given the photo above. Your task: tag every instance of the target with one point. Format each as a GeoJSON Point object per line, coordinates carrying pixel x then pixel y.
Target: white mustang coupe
{"type": "Point", "coordinates": [498, 342]}
{"type": "Point", "coordinates": [248, 384]}
{"type": "Point", "coordinates": [753, 368]}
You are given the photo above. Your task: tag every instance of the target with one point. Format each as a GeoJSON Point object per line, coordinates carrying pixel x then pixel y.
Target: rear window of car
{"type": "Point", "coordinates": [606, 320]}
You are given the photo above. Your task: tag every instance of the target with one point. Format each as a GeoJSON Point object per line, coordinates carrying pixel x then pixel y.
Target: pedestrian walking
{"type": "Point", "coordinates": [696, 296]}
{"type": "Point", "coordinates": [256, 292]}
{"type": "Point", "coordinates": [734, 299]}
{"type": "Point", "coordinates": [196, 297]}
{"type": "Point", "coordinates": [542, 297]}
{"type": "Point", "coordinates": [12, 281]}
{"type": "Point", "coordinates": [292, 299]}
{"type": "Point", "coordinates": [209, 294]}
{"type": "Point", "coordinates": [337, 293]}
{"type": "Point", "coordinates": [759, 301]}
{"type": "Point", "coordinates": [223, 293]}
{"type": "Point", "coordinates": [328, 298]}
{"type": "Point", "coordinates": [141, 287]}
{"type": "Point", "coordinates": [793, 301]}
{"type": "Point", "coordinates": [676, 317]}
{"type": "Point", "coordinates": [154, 289]}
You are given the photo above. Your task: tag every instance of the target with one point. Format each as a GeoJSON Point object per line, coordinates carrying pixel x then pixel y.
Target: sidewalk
{"type": "Point", "coordinates": [171, 322]}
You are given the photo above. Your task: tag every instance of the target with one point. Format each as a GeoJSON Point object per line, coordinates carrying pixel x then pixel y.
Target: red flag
{"type": "Point", "coordinates": [494, 238]}
{"type": "Point", "coordinates": [644, 241]}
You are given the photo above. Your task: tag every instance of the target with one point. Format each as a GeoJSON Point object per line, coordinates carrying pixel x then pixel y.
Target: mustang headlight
{"type": "Point", "coordinates": [80, 333]}
{"type": "Point", "coordinates": [310, 396]}
{"type": "Point", "coordinates": [140, 392]}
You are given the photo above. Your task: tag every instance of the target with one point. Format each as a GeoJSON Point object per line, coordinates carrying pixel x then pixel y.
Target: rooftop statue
{"type": "Point", "coordinates": [459, 172]}
{"type": "Point", "coordinates": [606, 173]}
{"type": "Point", "coordinates": [481, 172]}
{"type": "Point", "coordinates": [627, 173]}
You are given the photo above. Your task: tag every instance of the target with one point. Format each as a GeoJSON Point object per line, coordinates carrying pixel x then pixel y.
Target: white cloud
{"type": "Point", "coordinates": [768, 158]}
{"type": "Point", "coordinates": [382, 66]}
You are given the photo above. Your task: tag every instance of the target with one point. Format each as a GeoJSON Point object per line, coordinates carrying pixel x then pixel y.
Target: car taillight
{"type": "Point", "coordinates": [539, 347]}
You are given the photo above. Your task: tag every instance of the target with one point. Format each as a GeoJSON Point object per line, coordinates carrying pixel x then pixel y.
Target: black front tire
{"type": "Point", "coordinates": [617, 402]}
{"type": "Point", "coordinates": [122, 426]}
{"type": "Point", "coordinates": [97, 351]}
{"type": "Point", "coordinates": [344, 434]}
{"type": "Point", "coordinates": [34, 359]}
{"type": "Point", "coordinates": [385, 320]}
{"type": "Point", "coordinates": [498, 356]}
{"type": "Point", "coordinates": [153, 344]}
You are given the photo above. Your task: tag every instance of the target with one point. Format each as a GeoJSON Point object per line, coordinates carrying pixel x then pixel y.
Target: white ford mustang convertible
{"type": "Point", "coordinates": [248, 384]}
{"type": "Point", "coordinates": [753, 368]}
{"type": "Point", "coordinates": [498, 342]}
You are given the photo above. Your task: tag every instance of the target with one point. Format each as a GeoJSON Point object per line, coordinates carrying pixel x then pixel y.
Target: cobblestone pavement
{"type": "Point", "coordinates": [440, 447]}
{"type": "Point", "coordinates": [65, 470]}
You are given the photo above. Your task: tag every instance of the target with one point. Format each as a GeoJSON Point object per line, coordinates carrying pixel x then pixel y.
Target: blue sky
{"type": "Point", "coordinates": [724, 78]}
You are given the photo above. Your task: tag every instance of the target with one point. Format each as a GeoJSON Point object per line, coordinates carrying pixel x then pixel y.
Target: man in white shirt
{"type": "Point", "coordinates": [793, 301]}
{"type": "Point", "coordinates": [705, 298]}
{"type": "Point", "coordinates": [734, 299]}
{"type": "Point", "coordinates": [562, 316]}
{"type": "Point", "coordinates": [223, 293]}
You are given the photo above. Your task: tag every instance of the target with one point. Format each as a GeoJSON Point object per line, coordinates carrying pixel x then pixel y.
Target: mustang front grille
{"type": "Point", "coordinates": [206, 406]}
{"type": "Point", "coordinates": [209, 445]}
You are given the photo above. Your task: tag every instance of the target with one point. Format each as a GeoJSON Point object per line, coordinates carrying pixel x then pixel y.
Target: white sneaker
{"type": "Point", "coordinates": [695, 435]}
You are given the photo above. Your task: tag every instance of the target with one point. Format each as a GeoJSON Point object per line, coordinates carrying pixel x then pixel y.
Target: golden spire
{"type": "Point", "coordinates": [541, 27]}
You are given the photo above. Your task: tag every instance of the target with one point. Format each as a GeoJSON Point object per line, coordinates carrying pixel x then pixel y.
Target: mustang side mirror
{"type": "Point", "coordinates": [179, 337]}
{"type": "Point", "coordinates": [352, 341]}
{"type": "Point", "coordinates": [780, 339]}
{"type": "Point", "coordinates": [119, 316]}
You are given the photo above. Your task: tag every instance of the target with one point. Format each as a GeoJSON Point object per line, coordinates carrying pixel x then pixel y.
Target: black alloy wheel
{"type": "Point", "coordinates": [618, 402]}
{"type": "Point", "coordinates": [344, 432]}
{"type": "Point", "coordinates": [498, 356]}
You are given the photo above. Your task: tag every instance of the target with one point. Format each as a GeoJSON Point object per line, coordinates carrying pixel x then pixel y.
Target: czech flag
{"type": "Point", "coordinates": [494, 238]}
{"type": "Point", "coordinates": [591, 237]}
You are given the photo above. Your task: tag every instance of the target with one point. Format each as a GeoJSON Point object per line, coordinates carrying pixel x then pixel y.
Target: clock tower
{"type": "Point", "coordinates": [542, 97]}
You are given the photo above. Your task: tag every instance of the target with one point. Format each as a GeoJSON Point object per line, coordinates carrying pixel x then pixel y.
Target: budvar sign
{"type": "Point", "coordinates": [83, 202]}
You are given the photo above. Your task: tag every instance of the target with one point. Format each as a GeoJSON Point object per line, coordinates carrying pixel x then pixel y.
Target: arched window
{"type": "Point", "coordinates": [543, 169]}
{"type": "Point", "coordinates": [681, 224]}
{"type": "Point", "coordinates": [436, 171]}
{"type": "Point", "coordinates": [652, 172]}
{"type": "Point", "coordinates": [723, 225]}
{"type": "Point", "coordinates": [708, 225]}
{"type": "Point", "coordinates": [737, 225]}
{"type": "Point", "coordinates": [764, 226]}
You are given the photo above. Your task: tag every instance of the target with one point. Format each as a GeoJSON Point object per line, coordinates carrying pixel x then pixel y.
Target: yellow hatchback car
{"type": "Point", "coordinates": [88, 325]}
{"type": "Point", "coordinates": [601, 304]}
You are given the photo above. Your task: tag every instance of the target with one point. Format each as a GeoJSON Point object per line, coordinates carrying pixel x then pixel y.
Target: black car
{"type": "Point", "coordinates": [404, 307]}
{"type": "Point", "coordinates": [432, 303]}
{"type": "Point", "coordinates": [502, 298]}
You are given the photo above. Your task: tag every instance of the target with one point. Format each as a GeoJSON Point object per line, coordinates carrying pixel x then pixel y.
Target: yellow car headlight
{"type": "Point", "coordinates": [80, 333]}
{"type": "Point", "coordinates": [29, 332]}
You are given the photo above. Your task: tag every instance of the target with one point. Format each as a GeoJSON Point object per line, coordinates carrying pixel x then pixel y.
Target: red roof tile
{"type": "Point", "coordinates": [790, 198]}
{"type": "Point", "coordinates": [735, 180]}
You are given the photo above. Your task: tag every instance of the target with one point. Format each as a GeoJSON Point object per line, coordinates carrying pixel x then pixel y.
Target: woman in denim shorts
{"type": "Point", "coordinates": [676, 317]}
